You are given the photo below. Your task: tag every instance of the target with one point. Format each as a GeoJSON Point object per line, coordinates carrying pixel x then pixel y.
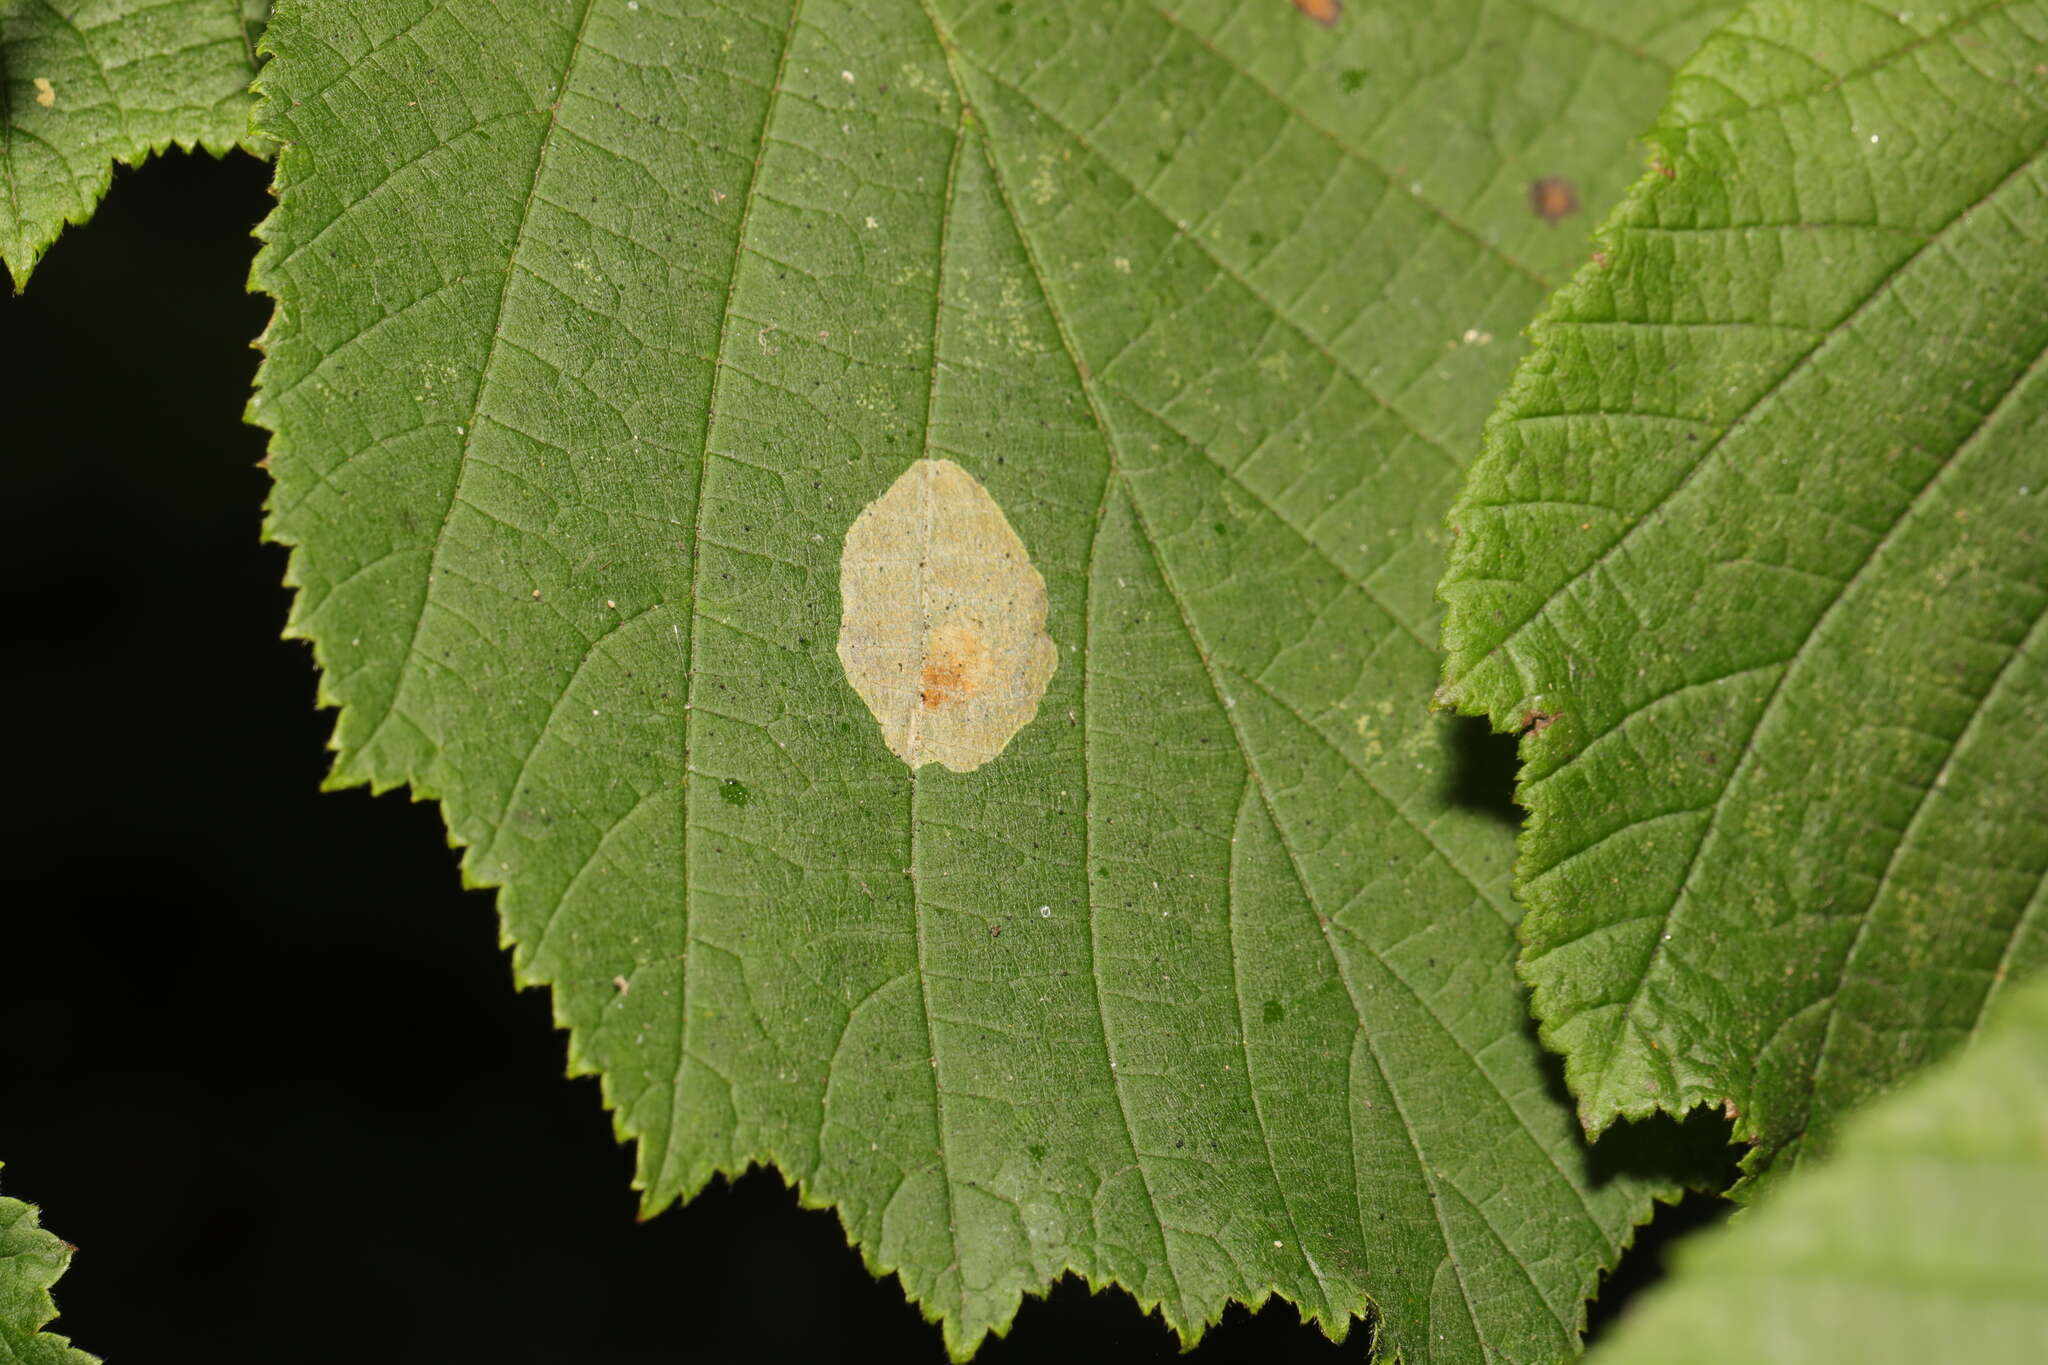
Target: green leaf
{"type": "Point", "coordinates": [1919, 1238]}
{"type": "Point", "coordinates": [30, 1262]}
{"type": "Point", "coordinates": [1757, 555]}
{"type": "Point", "coordinates": [86, 83]}
{"type": "Point", "coordinates": [600, 324]}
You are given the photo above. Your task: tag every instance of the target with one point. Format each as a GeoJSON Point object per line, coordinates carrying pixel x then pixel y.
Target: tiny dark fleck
{"type": "Point", "coordinates": [1553, 198]}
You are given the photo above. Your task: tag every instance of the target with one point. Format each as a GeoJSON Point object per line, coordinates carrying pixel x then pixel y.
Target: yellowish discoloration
{"type": "Point", "coordinates": [46, 93]}
{"type": "Point", "coordinates": [942, 619]}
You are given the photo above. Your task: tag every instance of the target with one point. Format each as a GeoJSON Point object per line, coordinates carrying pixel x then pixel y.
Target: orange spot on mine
{"type": "Point", "coordinates": [954, 669]}
{"type": "Point", "coordinates": [1553, 197]}
{"type": "Point", "coordinates": [1324, 12]}
{"type": "Point", "coordinates": [941, 683]}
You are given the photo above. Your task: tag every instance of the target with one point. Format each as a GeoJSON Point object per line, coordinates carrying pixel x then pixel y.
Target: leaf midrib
{"type": "Point", "coordinates": [913, 822]}
{"type": "Point", "coordinates": [1628, 1018]}
{"type": "Point", "coordinates": [1086, 380]}
{"type": "Point", "coordinates": [949, 52]}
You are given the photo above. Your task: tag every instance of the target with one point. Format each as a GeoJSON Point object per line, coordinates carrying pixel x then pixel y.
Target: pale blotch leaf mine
{"type": "Point", "coordinates": [942, 619]}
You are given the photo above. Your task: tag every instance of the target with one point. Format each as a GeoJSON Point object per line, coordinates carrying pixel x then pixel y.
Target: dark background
{"type": "Point", "coordinates": [264, 1063]}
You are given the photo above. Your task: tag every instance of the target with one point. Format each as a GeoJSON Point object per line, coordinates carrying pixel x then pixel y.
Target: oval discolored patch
{"type": "Point", "coordinates": [942, 619]}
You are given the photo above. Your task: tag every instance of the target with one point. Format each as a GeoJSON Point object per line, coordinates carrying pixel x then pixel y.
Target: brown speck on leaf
{"type": "Point", "coordinates": [1600, 259]}
{"type": "Point", "coordinates": [621, 985]}
{"type": "Point", "coordinates": [1536, 722]}
{"type": "Point", "coordinates": [1664, 170]}
{"type": "Point", "coordinates": [1324, 12]}
{"type": "Point", "coordinates": [1553, 198]}
{"type": "Point", "coordinates": [995, 931]}
{"type": "Point", "coordinates": [1729, 1111]}
{"type": "Point", "coordinates": [46, 93]}
{"type": "Point", "coordinates": [1709, 757]}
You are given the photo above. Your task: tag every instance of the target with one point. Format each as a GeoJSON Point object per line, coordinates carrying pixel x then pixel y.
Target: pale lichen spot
{"type": "Point", "coordinates": [46, 93]}
{"type": "Point", "coordinates": [942, 619]}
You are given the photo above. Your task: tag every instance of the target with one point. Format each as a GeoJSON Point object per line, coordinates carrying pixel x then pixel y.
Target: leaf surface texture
{"type": "Point", "coordinates": [92, 82]}
{"type": "Point", "coordinates": [1758, 554]}
{"type": "Point", "coordinates": [598, 326]}
{"type": "Point", "coordinates": [31, 1260]}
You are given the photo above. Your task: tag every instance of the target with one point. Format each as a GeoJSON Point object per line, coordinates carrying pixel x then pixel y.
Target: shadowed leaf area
{"type": "Point", "coordinates": [1919, 1238]}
